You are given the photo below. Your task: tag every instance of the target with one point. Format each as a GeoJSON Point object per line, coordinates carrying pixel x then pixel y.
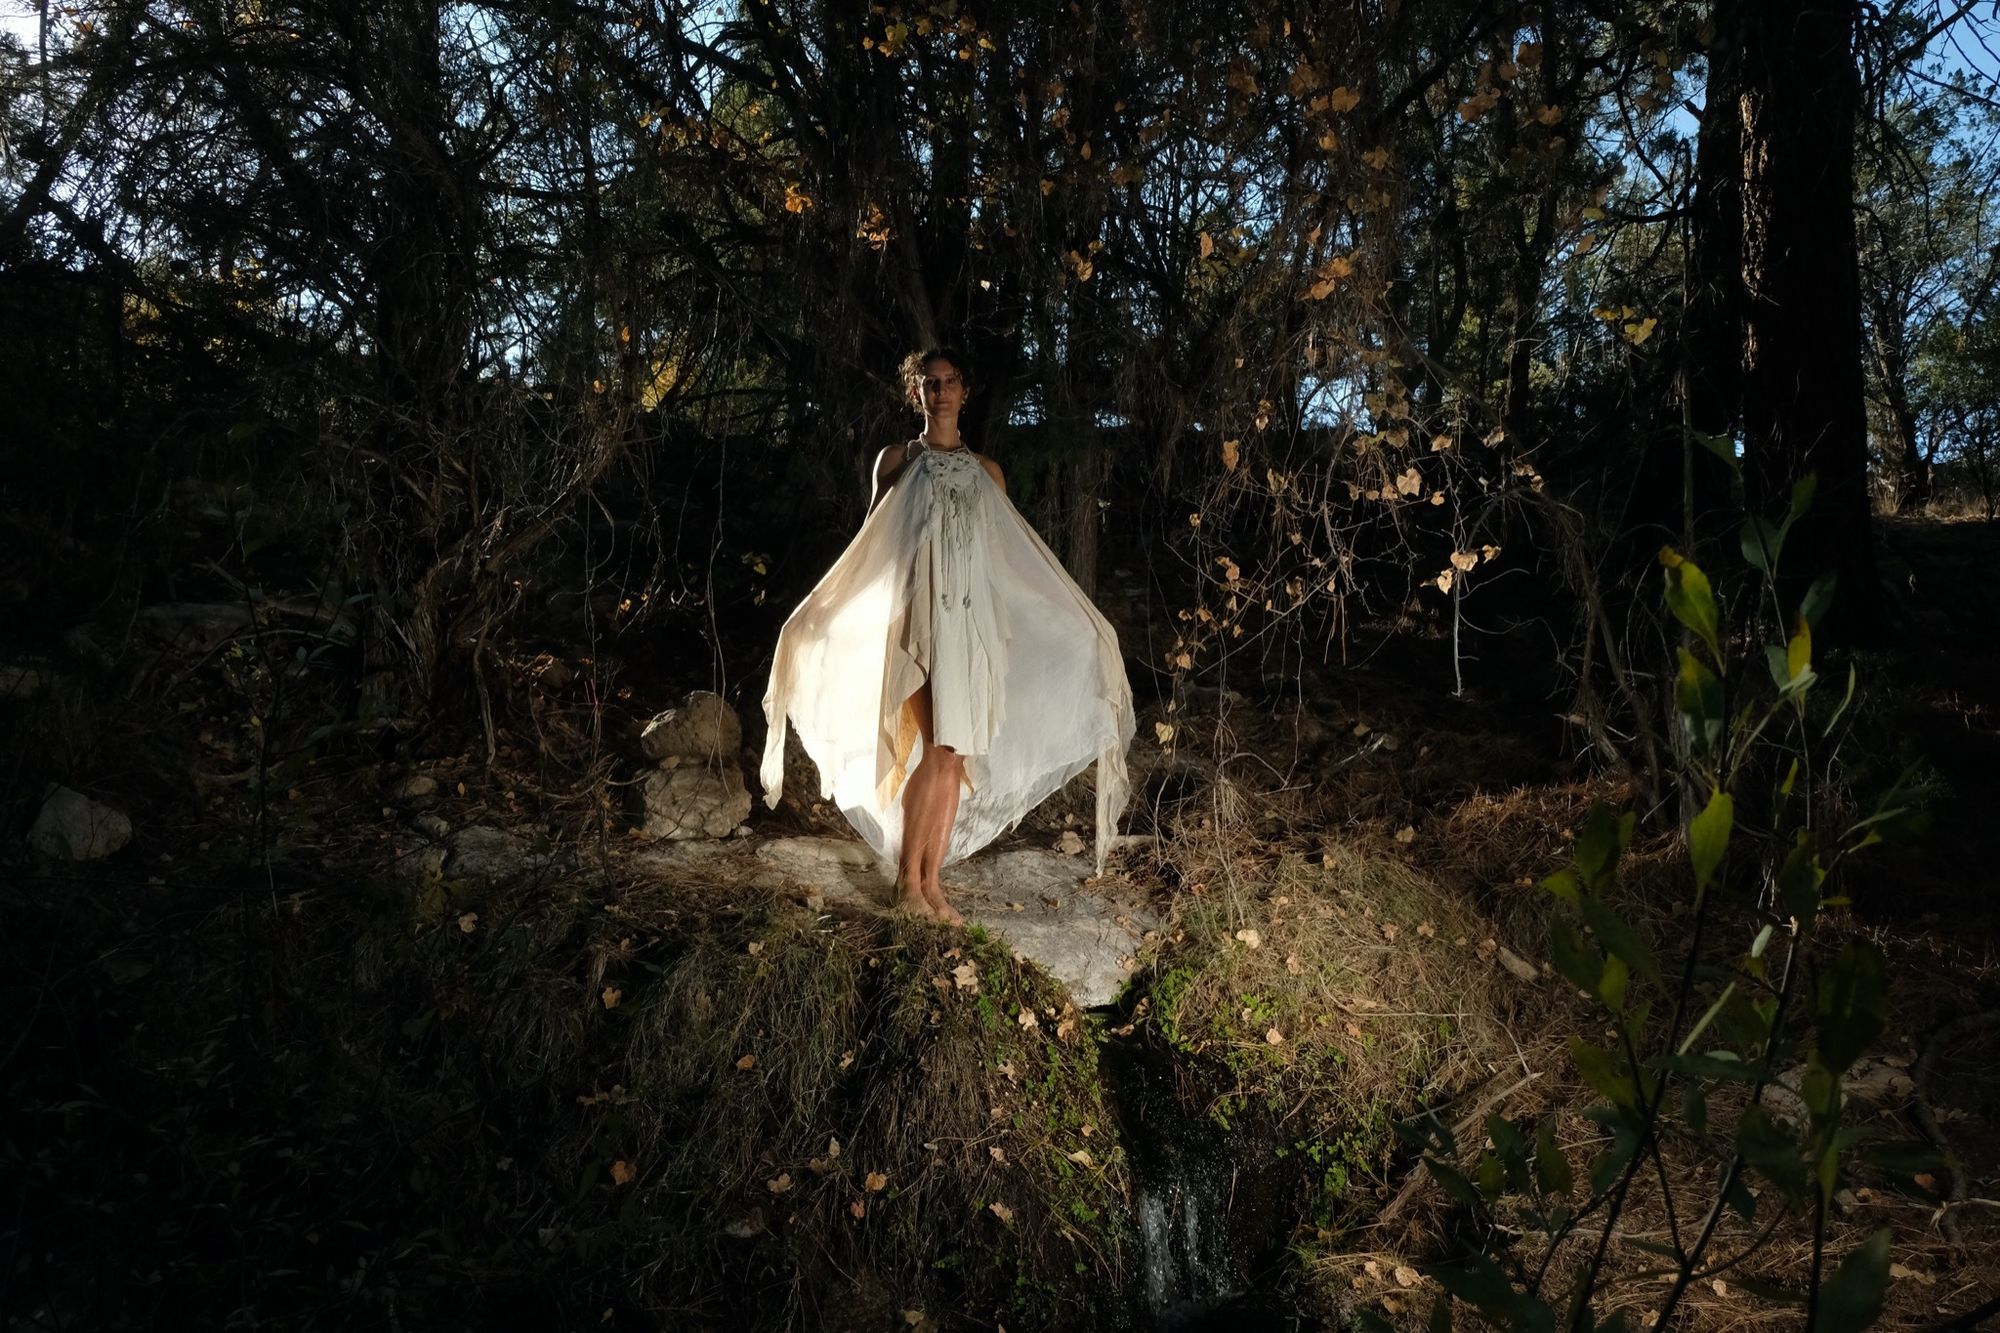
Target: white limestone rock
{"type": "Point", "coordinates": [72, 827]}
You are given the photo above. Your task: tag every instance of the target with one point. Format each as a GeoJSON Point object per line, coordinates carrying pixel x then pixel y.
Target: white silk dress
{"type": "Point", "coordinates": [946, 582]}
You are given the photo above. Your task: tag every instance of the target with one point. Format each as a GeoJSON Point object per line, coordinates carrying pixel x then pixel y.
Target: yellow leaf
{"type": "Point", "coordinates": [746, 1062]}
{"type": "Point", "coordinates": [611, 996]}
{"type": "Point", "coordinates": [1082, 1158]}
{"type": "Point", "coordinates": [1638, 332]}
{"type": "Point", "coordinates": [1798, 653]}
{"type": "Point", "coordinates": [1345, 99]}
{"type": "Point", "coordinates": [1164, 731]}
{"type": "Point", "coordinates": [1231, 454]}
{"type": "Point", "coordinates": [1377, 158]}
{"type": "Point", "coordinates": [875, 1182]}
{"type": "Point", "coordinates": [1529, 55]}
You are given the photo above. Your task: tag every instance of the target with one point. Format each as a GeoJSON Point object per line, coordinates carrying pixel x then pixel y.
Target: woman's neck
{"type": "Point", "coordinates": [942, 435]}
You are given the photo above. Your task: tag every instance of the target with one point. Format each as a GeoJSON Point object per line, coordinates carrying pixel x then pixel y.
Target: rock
{"type": "Point", "coordinates": [435, 827]}
{"type": "Point", "coordinates": [1522, 969]}
{"type": "Point", "coordinates": [414, 790]}
{"type": "Point", "coordinates": [21, 682]}
{"type": "Point", "coordinates": [481, 852]}
{"type": "Point", "coordinates": [422, 864]}
{"type": "Point", "coordinates": [72, 827]}
{"type": "Point", "coordinates": [194, 626]}
{"type": "Point", "coordinates": [703, 728]}
{"type": "Point", "coordinates": [695, 802]}
{"type": "Point", "coordinates": [1085, 936]}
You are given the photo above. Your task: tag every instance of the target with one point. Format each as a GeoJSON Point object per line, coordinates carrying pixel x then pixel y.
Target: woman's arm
{"type": "Point", "coordinates": [888, 466]}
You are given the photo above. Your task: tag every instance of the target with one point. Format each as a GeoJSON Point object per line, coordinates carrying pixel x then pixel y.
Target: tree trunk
{"type": "Point", "coordinates": [1802, 383]}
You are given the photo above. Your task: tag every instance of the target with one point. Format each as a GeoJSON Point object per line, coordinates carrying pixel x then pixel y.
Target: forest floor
{"type": "Point", "coordinates": [274, 1065]}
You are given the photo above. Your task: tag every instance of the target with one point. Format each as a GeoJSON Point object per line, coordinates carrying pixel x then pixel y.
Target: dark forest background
{"type": "Point", "coordinates": [393, 385]}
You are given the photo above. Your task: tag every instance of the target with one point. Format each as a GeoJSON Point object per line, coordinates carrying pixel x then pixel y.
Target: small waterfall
{"type": "Point", "coordinates": [1212, 1226]}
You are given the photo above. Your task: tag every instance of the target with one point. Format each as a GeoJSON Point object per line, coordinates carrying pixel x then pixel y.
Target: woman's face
{"type": "Point", "coordinates": [942, 389]}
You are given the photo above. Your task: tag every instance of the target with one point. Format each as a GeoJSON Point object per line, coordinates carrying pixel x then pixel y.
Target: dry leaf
{"type": "Point", "coordinates": [1407, 1277]}
{"type": "Point", "coordinates": [846, 1059]}
{"type": "Point", "coordinates": [1390, 931]}
{"type": "Point", "coordinates": [966, 977]}
{"type": "Point", "coordinates": [754, 948]}
{"type": "Point", "coordinates": [1345, 99]}
{"type": "Point", "coordinates": [1230, 455]}
{"type": "Point", "coordinates": [1410, 483]}
{"type": "Point", "coordinates": [1251, 939]}
{"type": "Point", "coordinates": [1406, 834]}
{"type": "Point", "coordinates": [1207, 245]}
{"type": "Point", "coordinates": [1353, 1030]}
{"type": "Point", "coordinates": [1292, 964]}
{"type": "Point", "coordinates": [1001, 1211]}
{"type": "Point", "coordinates": [746, 1062]}
{"type": "Point", "coordinates": [1082, 1158]}
{"type": "Point", "coordinates": [998, 1154]}
{"type": "Point", "coordinates": [779, 1183]}
{"type": "Point", "coordinates": [1069, 844]}
{"type": "Point", "coordinates": [1026, 1018]}
{"type": "Point", "coordinates": [875, 1182]}
{"type": "Point", "coordinates": [622, 1172]}
{"type": "Point", "coordinates": [1164, 731]}
{"type": "Point", "coordinates": [1427, 930]}
{"type": "Point", "coordinates": [857, 1209]}
{"type": "Point", "coordinates": [469, 922]}
{"type": "Point", "coordinates": [1719, 1287]}
{"type": "Point", "coordinates": [611, 996]}
{"type": "Point", "coordinates": [1275, 1037]}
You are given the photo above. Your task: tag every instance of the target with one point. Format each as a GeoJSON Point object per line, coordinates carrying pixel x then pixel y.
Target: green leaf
{"type": "Point", "coordinates": [1853, 1005]}
{"type": "Point", "coordinates": [1769, 1291]}
{"type": "Point", "coordinates": [1609, 1164]}
{"type": "Point", "coordinates": [1692, 601]}
{"type": "Point", "coordinates": [1851, 1300]}
{"type": "Point", "coordinates": [1598, 1069]}
{"type": "Point", "coordinates": [1818, 599]}
{"type": "Point", "coordinates": [1720, 445]}
{"type": "Point", "coordinates": [1612, 1323]}
{"type": "Point", "coordinates": [1799, 879]}
{"type": "Point", "coordinates": [1903, 1157]}
{"type": "Point", "coordinates": [1770, 1147]}
{"type": "Point", "coordinates": [1694, 1108]}
{"type": "Point", "coordinates": [1715, 1064]}
{"type": "Point", "coordinates": [1761, 543]}
{"type": "Point", "coordinates": [1563, 885]}
{"type": "Point", "coordinates": [1845, 700]}
{"type": "Point", "coordinates": [1604, 835]}
{"type": "Point", "coordinates": [1453, 1183]}
{"type": "Point", "coordinates": [1480, 1284]}
{"type": "Point", "coordinates": [1740, 1199]}
{"type": "Point", "coordinates": [1611, 986]}
{"type": "Point", "coordinates": [1708, 838]}
{"type": "Point", "coordinates": [1491, 1175]}
{"type": "Point", "coordinates": [1619, 936]}
{"type": "Point", "coordinates": [1575, 959]}
{"type": "Point", "coordinates": [1698, 699]}
{"type": "Point", "coordinates": [1441, 1314]}
{"type": "Point", "coordinates": [1427, 1133]}
{"type": "Point", "coordinates": [1802, 497]}
{"type": "Point", "coordinates": [1552, 1172]}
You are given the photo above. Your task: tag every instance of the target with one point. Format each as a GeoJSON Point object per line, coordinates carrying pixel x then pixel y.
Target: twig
{"type": "Point", "coordinates": [1925, 1115]}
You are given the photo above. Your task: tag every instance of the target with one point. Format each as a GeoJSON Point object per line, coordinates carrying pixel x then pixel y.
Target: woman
{"type": "Point", "coordinates": [948, 633]}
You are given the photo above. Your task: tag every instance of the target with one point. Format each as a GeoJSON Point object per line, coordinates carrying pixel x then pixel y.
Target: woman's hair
{"type": "Point", "coordinates": [913, 371]}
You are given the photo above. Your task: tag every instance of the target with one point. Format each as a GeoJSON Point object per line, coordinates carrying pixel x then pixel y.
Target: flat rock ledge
{"type": "Point", "coordinates": [1085, 936]}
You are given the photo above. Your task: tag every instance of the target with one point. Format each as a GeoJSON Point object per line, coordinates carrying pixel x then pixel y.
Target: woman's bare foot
{"type": "Point", "coordinates": [941, 909]}
{"type": "Point", "coordinates": [910, 900]}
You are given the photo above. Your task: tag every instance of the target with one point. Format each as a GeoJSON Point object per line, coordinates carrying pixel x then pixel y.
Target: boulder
{"type": "Point", "coordinates": [704, 729]}
{"type": "Point", "coordinates": [415, 791]}
{"type": "Point", "coordinates": [695, 802]}
{"type": "Point", "coordinates": [72, 827]}
{"type": "Point", "coordinates": [485, 853]}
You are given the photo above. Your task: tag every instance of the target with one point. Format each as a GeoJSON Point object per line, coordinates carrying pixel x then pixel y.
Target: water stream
{"type": "Point", "coordinates": [1212, 1207]}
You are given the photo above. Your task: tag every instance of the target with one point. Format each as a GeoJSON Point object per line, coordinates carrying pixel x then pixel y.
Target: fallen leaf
{"type": "Point", "coordinates": [875, 1182]}
{"type": "Point", "coordinates": [779, 1183]}
{"type": "Point", "coordinates": [966, 977]}
{"type": "Point", "coordinates": [1719, 1287]}
{"type": "Point", "coordinates": [858, 1208]}
{"type": "Point", "coordinates": [622, 1172]}
{"type": "Point", "coordinates": [1251, 939]}
{"type": "Point", "coordinates": [1001, 1211]}
{"type": "Point", "coordinates": [754, 948]}
{"type": "Point", "coordinates": [846, 1059]}
{"type": "Point", "coordinates": [1390, 930]}
{"type": "Point", "coordinates": [1026, 1018]}
{"type": "Point", "coordinates": [1353, 1030]}
{"type": "Point", "coordinates": [1164, 731]}
{"type": "Point", "coordinates": [1427, 930]}
{"type": "Point", "coordinates": [1406, 834]}
{"type": "Point", "coordinates": [469, 922]}
{"type": "Point", "coordinates": [1231, 454]}
{"type": "Point", "coordinates": [611, 996]}
{"type": "Point", "coordinates": [746, 1062]}
{"type": "Point", "coordinates": [1275, 1037]}
{"type": "Point", "coordinates": [1407, 1277]}
{"type": "Point", "coordinates": [998, 1154]}
{"type": "Point", "coordinates": [1069, 844]}
{"type": "Point", "coordinates": [1292, 964]}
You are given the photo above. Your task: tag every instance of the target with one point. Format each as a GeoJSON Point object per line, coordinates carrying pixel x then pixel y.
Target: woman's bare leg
{"type": "Point", "coordinates": [930, 804]}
